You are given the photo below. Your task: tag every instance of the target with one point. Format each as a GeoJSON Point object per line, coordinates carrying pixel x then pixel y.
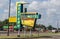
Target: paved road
{"type": "Point", "coordinates": [56, 37]}
{"type": "Point", "coordinates": [52, 37]}
{"type": "Point", "coordinates": [44, 37]}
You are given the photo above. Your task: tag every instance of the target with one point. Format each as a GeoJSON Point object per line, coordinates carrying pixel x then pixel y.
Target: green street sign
{"type": "Point", "coordinates": [36, 16]}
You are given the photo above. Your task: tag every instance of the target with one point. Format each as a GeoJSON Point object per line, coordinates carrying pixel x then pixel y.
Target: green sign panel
{"type": "Point", "coordinates": [18, 15]}
{"type": "Point", "coordinates": [37, 16]}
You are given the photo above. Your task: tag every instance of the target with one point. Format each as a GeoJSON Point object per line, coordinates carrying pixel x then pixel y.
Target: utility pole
{"type": "Point", "coordinates": [9, 16]}
{"type": "Point", "coordinates": [58, 25]}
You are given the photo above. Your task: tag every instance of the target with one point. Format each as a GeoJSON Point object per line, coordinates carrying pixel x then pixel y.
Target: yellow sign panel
{"type": "Point", "coordinates": [12, 19]}
{"type": "Point", "coordinates": [25, 21]}
{"type": "Point", "coordinates": [28, 22]}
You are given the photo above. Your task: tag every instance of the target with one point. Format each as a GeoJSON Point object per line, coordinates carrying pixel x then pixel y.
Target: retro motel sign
{"type": "Point", "coordinates": [19, 7]}
{"type": "Point", "coordinates": [19, 10]}
{"type": "Point", "coordinates": [27, 18]}
{"type": "Point", "coordinates": [30, 15]}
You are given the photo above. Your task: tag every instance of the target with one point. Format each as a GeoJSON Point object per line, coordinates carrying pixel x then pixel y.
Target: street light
{"type": "Point", "coordinates": [9, 16]}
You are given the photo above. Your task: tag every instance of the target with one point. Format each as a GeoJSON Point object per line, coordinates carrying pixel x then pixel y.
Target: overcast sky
{"type": "Point", "coordinates": [49, 9]}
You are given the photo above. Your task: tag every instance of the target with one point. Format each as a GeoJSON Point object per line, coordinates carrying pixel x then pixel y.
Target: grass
{"type": "Point", "coordinates": [28, 36]}
{"type": "Point", "coordinates": [8, 36]}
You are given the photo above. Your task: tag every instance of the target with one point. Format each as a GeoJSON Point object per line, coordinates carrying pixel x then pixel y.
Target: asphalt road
{"type": "Point", "coordinates": [52, 37]}
{"type": "Point", "coordinates": [41, 37]}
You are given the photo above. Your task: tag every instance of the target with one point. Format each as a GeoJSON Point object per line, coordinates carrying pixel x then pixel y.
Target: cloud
{"type": "Point", "coordinates": [33, 5]}
{"type": "Point", "coordinates": [49, 9]}
{"type": "Point", "coordinates": [48, 5]}
{"type": "Point", "coordinates": [4, 5]}
{"type": "Point", "coordinates": [55, 2]}
{"type": "Point", "coordinates": [3, 16]}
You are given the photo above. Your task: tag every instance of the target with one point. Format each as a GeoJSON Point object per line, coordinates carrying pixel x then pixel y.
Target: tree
{"type": "Point", "coordinates": [37, 26]}
{"type": "Point", "coordinates": [40, 26]}
{"type": "Point", "coordinates": [1, 24]}
{"type": "Point", "coordinates": [5, 22]}
{"type": "Point", "coordinates": [50, 27]}
{"type": "Point", "coordinates": [43, 27]}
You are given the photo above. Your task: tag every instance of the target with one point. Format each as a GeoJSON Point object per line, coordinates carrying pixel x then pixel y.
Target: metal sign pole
{"type": "Point", "coordinates": [30, 33]}
{"type": "Point", "coordinates": [18, 33]}
{"type": "Point", "coordinates": [38, 32]}
{"type": "Point", "coordinates": [9, 16]}
{"type": "Point", "coordinates": [24, 33]}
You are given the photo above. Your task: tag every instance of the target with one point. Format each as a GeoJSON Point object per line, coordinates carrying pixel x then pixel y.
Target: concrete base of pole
{"type": "Point", "coordinates": [18, 35]}
{"type": "Point", "coordinates": [7, 35]}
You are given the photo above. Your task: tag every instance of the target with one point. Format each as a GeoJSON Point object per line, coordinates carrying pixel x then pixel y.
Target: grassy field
{"type": "Point", "coordinates": [28, 35]}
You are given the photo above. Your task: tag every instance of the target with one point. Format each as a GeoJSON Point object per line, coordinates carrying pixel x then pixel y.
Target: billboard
{"type": "Point", "coordinates": [28, 22]}
{"type": "Point", "coordinates": [12, 19]}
